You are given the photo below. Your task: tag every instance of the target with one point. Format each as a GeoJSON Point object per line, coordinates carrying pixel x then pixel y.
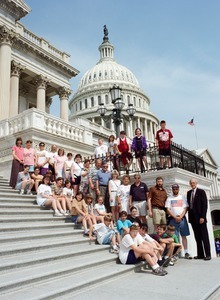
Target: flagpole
{"type": "Point", "coordinates": [193, 124]}
{"type": "Point", "coordinates": [197, 145]}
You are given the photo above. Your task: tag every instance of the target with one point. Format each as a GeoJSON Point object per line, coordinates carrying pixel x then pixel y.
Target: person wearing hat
{"type": "Point", "coordinates": [177, 206]}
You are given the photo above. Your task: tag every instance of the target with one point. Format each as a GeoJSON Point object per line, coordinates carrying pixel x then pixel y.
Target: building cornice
{"type": "Point", "coordinates": [22, 43]}
{"type": "Point", "coordinates": [16, 8]}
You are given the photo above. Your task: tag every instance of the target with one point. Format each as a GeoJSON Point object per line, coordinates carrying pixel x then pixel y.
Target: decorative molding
{"type": "Point", "coordinates": [16, 68]}
{"type": "Point", "coordinates": [7, 36]}
{"type": "Point", "coordinates": [26, 45]}
{"type": "Point", "coordinates": [16, 8]}
{"type": "Point", "coordinates": [64, 92]}
{"type": "Point", "coordinates": [41, 81]}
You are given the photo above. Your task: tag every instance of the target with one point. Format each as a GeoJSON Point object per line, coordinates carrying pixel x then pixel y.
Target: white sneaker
{"type": "Point", "coordinates": [21, 192]}
{"type": "Point", "coordinates": [63, 213]}
{"type": "Point", "coordinates": [57, 214]}
{"type": "Point", "coordinates": [29, 192]}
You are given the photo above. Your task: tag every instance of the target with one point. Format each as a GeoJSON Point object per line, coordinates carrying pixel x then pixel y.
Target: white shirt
{"type": "Point", "coordinates": [176, 204]}
{"type": "Point", "coordinates": [42, 157]}
{"type": "Point", "coordinates": [101, 151]}
{"type": "Point", "coordinates": [126, 244]}
{"type": "Point", "coordinates": [102, 230]}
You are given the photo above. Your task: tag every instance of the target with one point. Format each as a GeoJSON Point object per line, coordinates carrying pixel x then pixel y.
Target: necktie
{"type": "Point", "coordinates": [192, 199]}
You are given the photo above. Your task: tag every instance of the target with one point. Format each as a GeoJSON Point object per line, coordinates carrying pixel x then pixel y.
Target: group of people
{"type": "Point", "coordinates": [115, 211]}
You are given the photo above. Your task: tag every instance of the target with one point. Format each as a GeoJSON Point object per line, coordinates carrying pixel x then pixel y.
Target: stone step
{"type": "Point", "coordinates": [3, 180]}
{"type": "Point", "coordinates": [17, 198]}
{"type": "Point", "coordinates": [84, 275]}
{"type": "Point", "coordinates": [11, 227]}
{"type": "Point", "coordinates": [39, 244]}
{"type": "Point", "coordinates": [4, 190]}
{"type": "Point", "coordinates": [19, 201]}
{"type": "Point", "coordinates": [31, 235]}
{"type": "Point", "coordinates": [22, 206]}
{"type": "Point", "coordinates": [9, 262]}
{"type": "Point", "coordinates": [5, 185]}
{"type": "Point", "coordinates": [7, 219]}
{"type": "Point", "coordinates": [9, 211]}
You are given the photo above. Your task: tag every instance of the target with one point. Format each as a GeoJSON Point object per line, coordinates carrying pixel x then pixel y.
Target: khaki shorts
{"type": "Point", "coordinates": [159, 217]}
{"type": "Point", "coordinates": [141, 207]}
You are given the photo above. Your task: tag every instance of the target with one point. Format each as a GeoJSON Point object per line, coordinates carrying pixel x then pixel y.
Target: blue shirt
{"type": "Point", "coordinates": [123, 224]}
{"type": "Point", "coordinates": [103, 177]}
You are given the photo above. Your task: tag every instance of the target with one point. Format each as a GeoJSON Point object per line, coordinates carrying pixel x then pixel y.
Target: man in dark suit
{"type": "Point", "coordinates": [198, 203]}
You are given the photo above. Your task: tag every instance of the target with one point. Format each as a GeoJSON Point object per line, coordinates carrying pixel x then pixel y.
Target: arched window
{"type": "Point", "coordinates": [80, 105]}
{"type": "Point", "coordinates": [106, 99]}
{"type": "Point", "coordinates": [128, 99]}
{"type": "Point", "coordinates": [92, 101]}
{"type": "Point", "coordinates": [135, 104]}
{"type": "Point", "coordinates": [99, 100]}
{"type": "Point", "coordinates": [86, 103]}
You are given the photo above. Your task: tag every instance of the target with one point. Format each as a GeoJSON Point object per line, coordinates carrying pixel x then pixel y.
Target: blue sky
{"type": "Point", "coordinates": [172, 47]}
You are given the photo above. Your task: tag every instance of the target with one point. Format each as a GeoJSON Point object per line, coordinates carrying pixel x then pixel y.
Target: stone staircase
{"type": "Point", "coordinates": [44, 257]}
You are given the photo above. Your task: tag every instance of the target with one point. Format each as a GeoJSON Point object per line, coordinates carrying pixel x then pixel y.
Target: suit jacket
{"type": "Point", "coordinates": [199, 208]}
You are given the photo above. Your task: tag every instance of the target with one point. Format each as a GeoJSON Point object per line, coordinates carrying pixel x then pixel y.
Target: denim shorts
{"type": "Point", "coordinates": [74, 218]}
{"type": "Point", "coordinates": [108, 237]}
{"type": "Point", "coordinates": [181, 227]}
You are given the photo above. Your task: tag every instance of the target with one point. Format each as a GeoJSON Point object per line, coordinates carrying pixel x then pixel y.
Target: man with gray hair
{"type": "Point", "coordinates": [198, 205]}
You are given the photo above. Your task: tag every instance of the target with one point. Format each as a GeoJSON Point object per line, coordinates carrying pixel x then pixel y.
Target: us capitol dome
{"type": "Point", "coordinates": [94, 88]}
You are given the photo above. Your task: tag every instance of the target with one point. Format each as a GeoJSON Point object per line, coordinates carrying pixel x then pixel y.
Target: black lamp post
{"type": "Point", "coordinates": [117, 115]}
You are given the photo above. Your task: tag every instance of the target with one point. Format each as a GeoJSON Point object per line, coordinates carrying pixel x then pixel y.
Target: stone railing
{"type": "Point", "coordinates": [80, 130]}
{"type": "Point", "coordinates": [40, 42]}
{"type": "Point", "coordinates": [35, 119]}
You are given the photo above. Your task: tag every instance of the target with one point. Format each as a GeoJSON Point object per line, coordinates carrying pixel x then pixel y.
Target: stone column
{"type": "Point", "coordinates": [64, 93]}
{"type": "Point", "coordinates": [16, 69]}
{"type": "Point", "coordinates": [41, 83]}
{"type": "Point", "coordinates": [7, 37]}
{"type": "Point", "coordinates": [49, 101]}
{"type": "Point", "coordinates": [145, 129]}
{"type": "Point", "coordinates": [151, 131]}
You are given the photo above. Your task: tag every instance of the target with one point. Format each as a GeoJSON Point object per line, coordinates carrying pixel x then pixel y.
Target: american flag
{"type": "Point", "coordinates": [177, 203]}
{"type": "Point", "coordinates": [191, 122]}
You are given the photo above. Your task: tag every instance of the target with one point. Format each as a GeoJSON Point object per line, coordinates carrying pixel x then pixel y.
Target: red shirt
{"type": "Point", "coordinates": [164, 137]}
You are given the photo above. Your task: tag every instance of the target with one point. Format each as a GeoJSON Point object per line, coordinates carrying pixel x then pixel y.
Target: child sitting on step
{"type": "Point", "coordinates": [79, 212]}
{"type": "Point", "coordinates": [105, 234]}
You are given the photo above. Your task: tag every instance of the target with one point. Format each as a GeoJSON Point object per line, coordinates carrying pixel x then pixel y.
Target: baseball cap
{"type": "Point", "coordinates": [175, 186]}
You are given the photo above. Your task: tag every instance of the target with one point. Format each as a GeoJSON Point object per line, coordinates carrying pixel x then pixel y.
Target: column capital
{"type": "Point", "coordinates": [41, 81]}
{"type": "Point", "coordinates": [7, 36]}
{"type": "Point", "coordinates": [16, 68]}
{"type": "Point", "coordinates": [64, 92]}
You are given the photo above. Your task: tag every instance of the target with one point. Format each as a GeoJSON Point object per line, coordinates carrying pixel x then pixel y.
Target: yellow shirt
{"type": "Point", "coordinates": [78, 205]}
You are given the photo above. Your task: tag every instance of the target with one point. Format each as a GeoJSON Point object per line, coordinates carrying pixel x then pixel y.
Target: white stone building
{"type": "Point", "coordinates": [32, 71]}
{"type": "Point", "coordinates": [94, 90]}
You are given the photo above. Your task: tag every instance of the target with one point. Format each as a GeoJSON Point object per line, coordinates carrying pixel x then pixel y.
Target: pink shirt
{"type": "Point", "coordinates": [19, 152]}
{"type": "Point", "coordinates": [60, 161]}
{"type": "Point", "coordinates": [29, 155]}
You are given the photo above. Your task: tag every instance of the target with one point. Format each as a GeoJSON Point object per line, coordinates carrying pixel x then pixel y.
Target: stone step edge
{"type": "Point", "coordinates": [90, 282]}
{"type": "Point", "coordinates": [39, 236]}
{"type": "Point", "coordinates": [45, 226]}
{"type": "Point", "coordinates": [52, 274]}
{"type": "Point", "coordinates": [54, 257]}
{"type": "Point", "coordinates": [41, 247]}
{"type": "Point", "coordinates": [36, 219]}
